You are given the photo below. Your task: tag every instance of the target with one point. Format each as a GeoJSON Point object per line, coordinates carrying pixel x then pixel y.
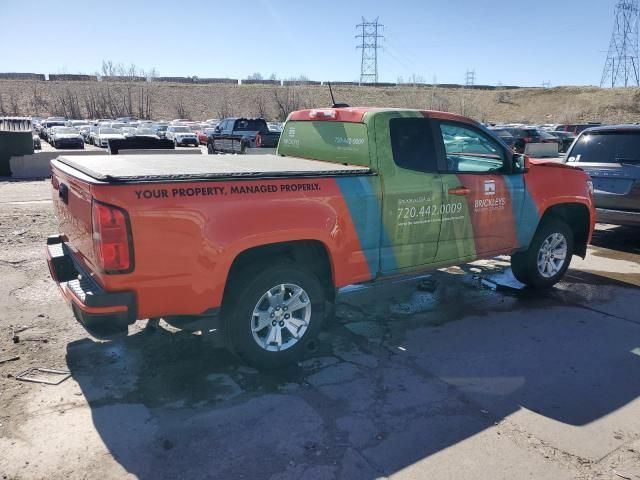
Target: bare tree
{"type": "Point", "coordinates": [288, 98]}
{"type": "Point", "coordinates": [67, 104]}
{"type": "Point", "coordinates": [260, 107]}
{"type": "Point", "coordinates": [37, 100]}
{"type": "Point", "coordinates": [181, 109]}
{"type": "Point", "coordinates": [255, 76]}
{"type": "Point", "coordinates": [225, 108]}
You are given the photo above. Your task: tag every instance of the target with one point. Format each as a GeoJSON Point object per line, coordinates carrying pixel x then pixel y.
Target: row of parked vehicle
{"type": "Point", "coordinates": [517, 136]}
{"type": "Point", "coordinates": [64, 133]}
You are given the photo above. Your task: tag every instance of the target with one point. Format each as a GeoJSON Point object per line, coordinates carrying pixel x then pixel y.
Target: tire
{"type": "Point", "coordinates": [530, 267]}
{"type": "Point", "coordinates": [210, 149]}
{"type": "Point", "coordinates": [175, 143]}
{"type": "Point", "coordinates": [248, 295]}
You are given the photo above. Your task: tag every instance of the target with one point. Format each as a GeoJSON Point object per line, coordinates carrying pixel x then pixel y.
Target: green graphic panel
{"type": "Point", "coordinates": [338, 142]}
{"type": "Point", "coordinates": [456, 235]}
{"type": "Point", "coordinates": [412, 203]}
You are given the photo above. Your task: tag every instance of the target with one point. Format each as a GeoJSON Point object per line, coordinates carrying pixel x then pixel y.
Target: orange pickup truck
{"type": "Point", "coordinates": [264, 243]}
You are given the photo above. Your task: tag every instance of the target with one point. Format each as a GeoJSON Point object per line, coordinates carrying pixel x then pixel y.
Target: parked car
{"type": "Point", "coordinates": [146, 132]}
{"type": "Point", "coordinates": [567, 139]}
{"type": "Point", "coordinates": [203, 134]}
{"type": "Point", "coordinates": [65, 137]}
{"type": "Point", "coordinates": [611, 156]}
{"type": "Point", "coordinates": [92, 134]}
{"type": "Point", "coordinates": [264, 243]}
{"type": "Point", "coordinates": [524, 135]}
{"type": "Point", "coordinates": [48, 124]}
{"type": "Point", "coordinates": [576, 128]}
{"type": "Point", "coordinates": [504, 135]}
{"type": "Point", "coordinates": [128, 131]}
{"type": "Point", "coordinates": [104, 134]}
{"type": "Point", "coordinates": [181, 135]}
{"type": "Point", "coordinates": [161, 130]}
{"type": "Point", "coordinates": [235, 135]}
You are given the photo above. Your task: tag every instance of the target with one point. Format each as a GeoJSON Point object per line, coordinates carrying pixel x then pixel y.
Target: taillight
{"type": "Point", "coordinates": [258, 140]}
{"type": "Point", "coordinates": [112, 238]}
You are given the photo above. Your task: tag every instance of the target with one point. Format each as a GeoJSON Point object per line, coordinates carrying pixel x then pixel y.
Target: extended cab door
{"type": "Point", "coordinates": [480, 187]}
{"type": "Point", "coordinates": [412, 200]}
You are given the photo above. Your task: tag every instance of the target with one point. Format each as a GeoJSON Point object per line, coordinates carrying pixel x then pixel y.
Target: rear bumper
{"type": "Point", "coordinates": [103, 314]}
{"type": "Point", "coordinates": [618, 217]}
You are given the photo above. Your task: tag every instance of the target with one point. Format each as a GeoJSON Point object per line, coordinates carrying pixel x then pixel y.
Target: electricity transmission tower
{"type": "Point", "coordinates": [369, 63]}
{"type": "Point", "coordinates": [470, 78]}
{"type": "Point", "coordinates": [621, 67]}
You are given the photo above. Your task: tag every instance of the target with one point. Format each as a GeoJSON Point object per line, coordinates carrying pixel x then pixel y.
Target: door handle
{"type": "Point", "coordinates": [459, 191]}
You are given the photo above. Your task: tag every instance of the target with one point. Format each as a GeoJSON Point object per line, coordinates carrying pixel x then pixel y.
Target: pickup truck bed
{"type": "Point", "coordinates": [156, 168]}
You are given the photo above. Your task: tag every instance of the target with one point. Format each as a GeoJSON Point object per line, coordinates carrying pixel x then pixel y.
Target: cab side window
{"type": "Point", "coordinates": [412, 144]}
{"type": "Point", "coordinates": [471, 151]}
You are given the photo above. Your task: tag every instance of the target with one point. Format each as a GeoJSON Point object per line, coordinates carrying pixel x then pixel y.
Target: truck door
{"type": "Point", "coordinates": [412, 199]}
{"type": "Point", "coordinates": [478, 186]}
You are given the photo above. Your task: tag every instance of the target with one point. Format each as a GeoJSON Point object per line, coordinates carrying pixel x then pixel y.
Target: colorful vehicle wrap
{"type": "Point", "coordinates": [186, 235]}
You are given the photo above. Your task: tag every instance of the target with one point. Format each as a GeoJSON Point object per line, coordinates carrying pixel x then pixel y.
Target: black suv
{"type": "Point", "coordinates": [611, 156]}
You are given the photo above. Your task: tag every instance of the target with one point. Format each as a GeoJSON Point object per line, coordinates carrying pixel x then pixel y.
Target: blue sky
{"type": "Point", "coordinates": [563, 42]}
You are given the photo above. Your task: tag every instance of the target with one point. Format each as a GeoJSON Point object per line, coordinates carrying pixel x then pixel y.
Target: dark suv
{"type": "Point", "coordinates": [611, 156]}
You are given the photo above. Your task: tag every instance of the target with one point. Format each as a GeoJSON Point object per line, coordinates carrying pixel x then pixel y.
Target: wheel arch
{"type": "Point", "coordinates": [313, 253]}
{"type": "Point", "coordinates": [578, 217]}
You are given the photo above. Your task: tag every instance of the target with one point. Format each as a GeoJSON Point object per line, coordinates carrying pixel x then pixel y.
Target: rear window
{"type": "Point", "coordinates": [607, 147]}
{"type": "Point", "coordinates": [412, 144]}
{"type": "Point", "coordinates": [340, 142]}
{"type": "Point", "coordinates": [502, 133]}
{"type": "Point", "coordinates": [252, 126]}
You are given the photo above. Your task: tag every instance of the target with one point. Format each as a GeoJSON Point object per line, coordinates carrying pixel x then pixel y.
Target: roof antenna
{"type": "Point", "coordinates": [333, 100]}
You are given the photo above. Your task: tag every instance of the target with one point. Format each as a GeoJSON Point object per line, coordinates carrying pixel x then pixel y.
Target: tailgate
{"type": "Point", "coordinates": [616, 187]}
{"type": "Point", "coordinates": [72, 204]}
{"type": "Point", "coordinates": [270, 140]}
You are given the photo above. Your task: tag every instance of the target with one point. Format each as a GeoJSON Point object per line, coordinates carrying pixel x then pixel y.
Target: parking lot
{"type": "Point", "coordinates": [450, 378]}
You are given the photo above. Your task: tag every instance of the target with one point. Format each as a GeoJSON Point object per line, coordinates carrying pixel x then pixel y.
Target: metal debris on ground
{"type": "Point", "coordinates": [48, 376]}
{"type": "Point", "coordinates": [10, 359]}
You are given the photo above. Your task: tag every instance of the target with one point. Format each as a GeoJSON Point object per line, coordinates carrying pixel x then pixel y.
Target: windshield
{"type": "Point", "coordinates": [607, 147]}
{"type": "Point", "coordinates": [182, 129]}
{"type": "Point", "coordinates": [108, 130]}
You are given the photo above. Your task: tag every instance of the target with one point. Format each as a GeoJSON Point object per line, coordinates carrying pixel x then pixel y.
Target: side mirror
{"type": "Point", "coordinates": [521, 163]}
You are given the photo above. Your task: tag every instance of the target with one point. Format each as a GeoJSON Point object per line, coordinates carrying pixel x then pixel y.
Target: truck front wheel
{"type": "Point", "coordinates": [273, 315]}
{"type": "Point", "coordinates": [548, 256]}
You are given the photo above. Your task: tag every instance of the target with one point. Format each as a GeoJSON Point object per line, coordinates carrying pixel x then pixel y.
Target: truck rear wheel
{"type": "Point", "coordinates": [273, 315]}
{"type": "Point", "coordinates": [548, 256]}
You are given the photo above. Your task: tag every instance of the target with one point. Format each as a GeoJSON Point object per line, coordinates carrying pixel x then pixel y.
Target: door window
{"type": "Point", "coordinates": [412, 144]}
{"type": "Point", "coordinates": [471, 151]}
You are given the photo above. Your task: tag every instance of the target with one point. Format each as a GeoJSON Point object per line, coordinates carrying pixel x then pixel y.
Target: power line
{"type": "Point", "coordinates": [369, 46]}
{"type": "Point", "coordinates": [621, 67]}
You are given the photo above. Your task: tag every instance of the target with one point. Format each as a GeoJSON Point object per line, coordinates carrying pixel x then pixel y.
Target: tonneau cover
{"type": "Point", "coordinates": [137, 168]}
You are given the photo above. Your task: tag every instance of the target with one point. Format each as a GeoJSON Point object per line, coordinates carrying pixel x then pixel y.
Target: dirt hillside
{"type": "Point", "coordinates": [161, 100]}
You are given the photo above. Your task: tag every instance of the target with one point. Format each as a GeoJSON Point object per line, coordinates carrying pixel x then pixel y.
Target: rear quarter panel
{"type": "Point", "coordinates": [186, 235]}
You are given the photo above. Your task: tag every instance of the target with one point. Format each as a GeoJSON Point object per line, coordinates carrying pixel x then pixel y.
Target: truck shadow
{"type": "Point", "coordinates": [387, 388]}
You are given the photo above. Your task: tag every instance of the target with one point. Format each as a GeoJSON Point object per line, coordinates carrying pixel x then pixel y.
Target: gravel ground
{"type": "Point", "coordinates": [463, 382]}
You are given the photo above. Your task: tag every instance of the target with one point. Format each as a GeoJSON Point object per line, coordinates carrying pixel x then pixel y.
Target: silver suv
{"type": "Point", "coordinates": [611, 156]}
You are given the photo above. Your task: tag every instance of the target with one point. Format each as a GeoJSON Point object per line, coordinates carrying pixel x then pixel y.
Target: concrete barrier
{"type": "Point", "coordinates": [37, 165]}
{"type": "Point", "coordinates": [541, 150]}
